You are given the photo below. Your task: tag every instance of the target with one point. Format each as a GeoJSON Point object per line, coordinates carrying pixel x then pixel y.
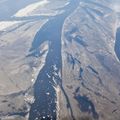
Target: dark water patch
{"type": "Point", "coordinates": [114, 110]}
{"type": "Point", "coordinates": [93, 70]}
{"type": "Point", "coordinates": [89, 13]}
{"type": "Point", "coordinates": [44, 92]}
{"type": "Point", "coordinates": [113, 102]}
{"type": "Point", "coordinates": [68, 103]}
{"type": "Point", "coordinates": [98, 12]}
{"type": "Point", "coordinates": [68, 36]}
{"type": "Point", "coordinates": [53, 26]}
{"type": "Point", "coordinates": [95, 73]}
{"type": "Point", "coordinates": [77, 90]}
{"type": "Point", "coordinates": [81, 73]}
{"type": "Point", "coordinates": [86, 105]}
{"type": "Point", "coordinates": [117, 44]}
{"type": "Point", "coordinates": [100, 80]}
{"type": "Point", "coordinates": [69, 86]}
{"type": "Point", "coordinates": [13, 95]}
{"type": "Point", "coordinates": [104, 97]}
{"type": "Point", "coordinates": [83, 100]}
{"type": "Point", "coordinates": [72, 60]}
{"type": "Point", "coordinates": [83, 85]}
{"type": "Point", "coordinates": [80, 40]}
{"type": "Point", "coordinates": [77, 61]}
{"type": "Point", "coordinates": [88, 26]}
{"type": "Point", "coordinates": [98, 94]}
{"type": "Point", "coordinates": [73, 30]}
{"type": "Point", "coordinates": [77, 38]}
{"type": "Point", "coordinates": [4, 101]}
{"type": "Point", "coordinates": [23, 114]}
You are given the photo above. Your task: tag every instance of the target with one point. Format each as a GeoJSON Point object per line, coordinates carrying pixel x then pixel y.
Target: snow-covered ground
{"type": "Point", "coordinates": [30, 8]}
{"type": "Point", "coordinates": [6, 24]}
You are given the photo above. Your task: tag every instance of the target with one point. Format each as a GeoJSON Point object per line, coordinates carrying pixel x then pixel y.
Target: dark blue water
{"type": "Point", "coordinates": [81, 73]}
{"type": "Point", "coordinates": [85, 104]}
{"type": "Point", "coordinates": [44, 106]}
{"type": "Point", "coordinates": [93, 70]}
{"type": "Point", "coordinates": [117, 43]}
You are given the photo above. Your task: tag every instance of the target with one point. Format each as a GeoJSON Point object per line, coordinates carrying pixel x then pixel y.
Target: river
{"type": "Point", "coordinates": [44, 106]}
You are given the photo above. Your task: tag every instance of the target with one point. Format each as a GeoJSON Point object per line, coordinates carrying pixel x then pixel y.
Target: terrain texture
{"type": "Point", "coordinates": [59, 60]}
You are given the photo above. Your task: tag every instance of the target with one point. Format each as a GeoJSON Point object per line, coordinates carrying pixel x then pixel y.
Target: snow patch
{"type": "Point", "coordinates": [30, 8]}
{"type": "Point", "coordinates": [116, 6]}
{"type": "Point", "coordinates": [6, 24]}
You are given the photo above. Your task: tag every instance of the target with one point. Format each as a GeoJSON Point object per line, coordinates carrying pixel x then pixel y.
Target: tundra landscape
{"type": "Point", "coordinates": [59, 60]}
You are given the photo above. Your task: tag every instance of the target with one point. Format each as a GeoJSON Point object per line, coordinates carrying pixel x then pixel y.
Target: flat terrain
{"type": "Point", "coordinates": [59, 60]}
